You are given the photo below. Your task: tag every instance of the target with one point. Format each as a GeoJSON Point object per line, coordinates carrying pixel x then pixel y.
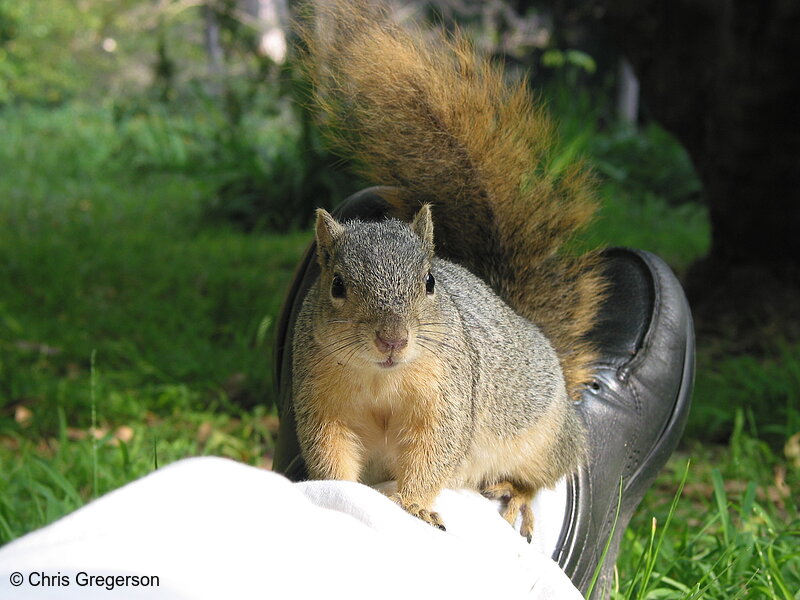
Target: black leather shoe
{"type": "Point", "coordinates": [635, 410]}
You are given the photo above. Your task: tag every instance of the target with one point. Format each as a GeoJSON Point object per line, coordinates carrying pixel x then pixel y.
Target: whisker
{"type": "Point", "coordinates": [341, 344]}
{"type": "Point", "coordinates": [338, 346]}
{"type": "Point", "coordinates": [433, 351]}
{"type": "Point", "coordinates": [434, 335]}
{"type": "Point", "coordinates": [438, 343]}
{"type": "Point", "coordinates": [434, 324]}
{"type": "Point", "coordinates": [443, 333]}
{"type": "Point", "coordinates": [435, 332]}
{"type": "Point", "coordinates": [350, 355]}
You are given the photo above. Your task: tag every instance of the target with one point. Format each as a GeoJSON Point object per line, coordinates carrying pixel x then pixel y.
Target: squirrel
{"type": "Point", "coordinates": [445, 346]}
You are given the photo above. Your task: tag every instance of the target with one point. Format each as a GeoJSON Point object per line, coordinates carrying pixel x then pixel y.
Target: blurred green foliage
{"type": "Point", "coordinates": [51, 51]}
{"type": "Point", "coordinates": [249, 128]}
{"type": "Point", "coordinates": [647, 161]}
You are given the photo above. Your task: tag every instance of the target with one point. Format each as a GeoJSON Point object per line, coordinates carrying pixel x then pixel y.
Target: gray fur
{"type": "Point", "coordinates": [501, 376]}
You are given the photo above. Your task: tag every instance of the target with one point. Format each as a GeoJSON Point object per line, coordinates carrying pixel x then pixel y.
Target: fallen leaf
{"type": "Point", "coordinates": [75, 434]}
{"type": "Point", "coordinates": [792, 450]}
{"type": "Point", "coordinates": [98, 433]}
{"type": "Point", "coordinates": [23, 415]}
{"type": "Point", "coordinates": [123, 433]}
{"type": "Point", "coordinates": [204, 432]}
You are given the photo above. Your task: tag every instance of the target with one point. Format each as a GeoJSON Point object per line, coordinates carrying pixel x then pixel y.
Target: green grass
{"type": "Point", "coordinates": [132, 334]}
{"type": "Point", "coordinates": [118, 262]}
{"type": "Point", "coordinates": [732, 531]}
{"type": "Point", "coordinates": [96, 258]}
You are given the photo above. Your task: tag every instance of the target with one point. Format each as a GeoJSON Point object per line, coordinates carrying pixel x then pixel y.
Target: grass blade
{"type": "Point", "coordinates": [722, 504]}
{"type": "Point", "coordinates": [92, 388]}
{"type": "Point", "coordinates": [602, 560]}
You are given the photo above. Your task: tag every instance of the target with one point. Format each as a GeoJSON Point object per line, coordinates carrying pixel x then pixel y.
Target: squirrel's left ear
{"type": "Point", "coordinates": [327, 230]}
{"type": "Point", "coordinates": [423, 227]}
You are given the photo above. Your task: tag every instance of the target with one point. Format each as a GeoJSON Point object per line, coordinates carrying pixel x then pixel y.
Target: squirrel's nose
{"type": "Point", "coordinates": [388, 342]}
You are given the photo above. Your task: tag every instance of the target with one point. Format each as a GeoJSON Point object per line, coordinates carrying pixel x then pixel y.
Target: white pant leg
{"type": "Point", "coordinates": [214, 528]}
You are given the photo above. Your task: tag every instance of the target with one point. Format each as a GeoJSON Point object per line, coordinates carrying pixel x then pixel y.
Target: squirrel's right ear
{"type": "Point", "coordinates": [423, 227]}
{"type": "Point", "coordinates": [327, 231]}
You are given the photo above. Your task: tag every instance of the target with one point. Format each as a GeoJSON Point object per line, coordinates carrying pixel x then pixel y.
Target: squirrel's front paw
{"type": "Point", "coordinates": [429, 516]}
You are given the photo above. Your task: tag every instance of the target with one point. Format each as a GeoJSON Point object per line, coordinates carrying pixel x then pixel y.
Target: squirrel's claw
{"type": "Point", "coordinates": [429, 516]}
{"type": "Point", "coordinates": [526, 528]}
{"type": "Point", "coordinates": [499, 491]}
{"type": "Point", "coordinates": [517, 501]}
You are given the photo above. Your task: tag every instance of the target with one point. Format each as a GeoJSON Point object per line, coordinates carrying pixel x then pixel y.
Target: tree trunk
{"type": "Point", "coordinates": [216, 55]}
{"type": "Point", "coordinates": [722, 75]}
{"type": "Point", "coordinates": [627, 93]}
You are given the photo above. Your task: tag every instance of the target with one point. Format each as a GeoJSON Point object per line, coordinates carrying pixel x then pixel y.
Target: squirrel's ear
{"type": "Point", "coordinates": [327, 231]}
{"type": "Point", "coordinates": [423, 227]}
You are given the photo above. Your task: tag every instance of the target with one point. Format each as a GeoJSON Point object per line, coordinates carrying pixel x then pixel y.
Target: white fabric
{"type": "Point", "coordinates": [213, 528]}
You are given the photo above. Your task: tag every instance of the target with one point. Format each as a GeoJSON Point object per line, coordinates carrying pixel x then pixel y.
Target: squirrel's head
{"type": "Point", "coordinates": [377, 295]}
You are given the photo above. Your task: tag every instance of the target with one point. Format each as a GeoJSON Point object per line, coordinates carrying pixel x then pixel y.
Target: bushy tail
{"type": "Point", "coordinates": [425, 113]}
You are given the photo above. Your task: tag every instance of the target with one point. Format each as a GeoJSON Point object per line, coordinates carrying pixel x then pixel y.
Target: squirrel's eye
{"type": "Point", "coordinates": [430, 282]}
{"type": "Point", "coordinates": [337, 286]}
